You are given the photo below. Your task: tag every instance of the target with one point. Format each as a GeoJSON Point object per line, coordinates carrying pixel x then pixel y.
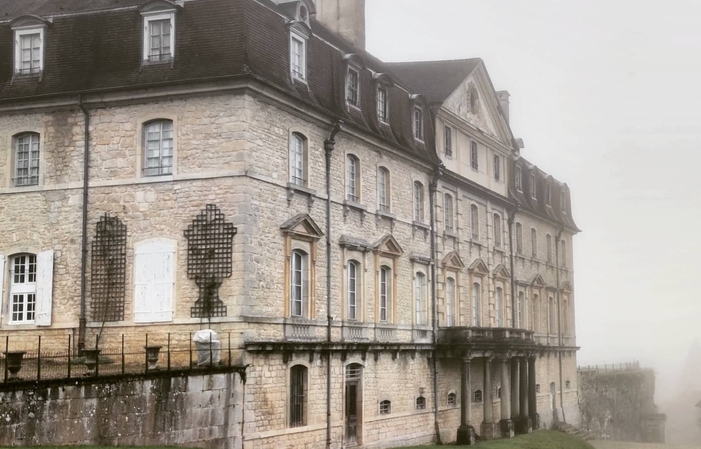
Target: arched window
{"type": "Point", "coordinates": [298, 396]}
{"type": "Point", "coordinates": [298, 159]}
{"type": "Point", "coordinates": [497, 230]}
{"type": "Point", "coordinates": [519, 238]}
{"type": "Point", "coordinates": [448, 209]}
{"type": "Point", "coordinates": [385, 293]}
{"type": "Point", "coordinates": [299, 283]}
{"type": "Point", "coordinates": [26, 160]}
{"type": "Point", "coordinates": [383, 191]}
{"type": "Point", "coordinates": [23, 288]}
{"type": "Point", "coordinates": [475, 221]}
{"type": "Point", "coordinates": [158, 148]}
{"type": "Point", "coordinates": [534, 243]}
{"type": "Point", "coordinates": [521, 310]}
{"type": "Point", "coordinates": [500, 307]}
{"type": "Point", "coordinates": [353, 290]}
{"type": "Point", "coordinates": [353, 178]}
{"type": "Point", "coordinates": [450, 302]}
{"type": "Point", "coordinates": [476, 305]}
{"type": "Point", "coordinates": [551, 316]}
{"type": "Point", "coordinates": [549, 247]}
{"type": "Point", "coordinates": [420, 288]}
{"type": "Point", "coordinates": [418, 202]}
{"type": "Point", "coordinates": [385, 407]}
{"type": "Point", "coordinates": [563, 253]}
{"type": "Point", "coordinates": [536, 315]}
{"type": "Point", "coordinates": [421, 403]}
{"type": "Point", "coordinates": [452, 399]}
{"type": "Point", "coordinates": [477, 396]}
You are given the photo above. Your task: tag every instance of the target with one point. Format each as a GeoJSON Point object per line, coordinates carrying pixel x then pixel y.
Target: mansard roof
{"type": "Point", "coordinates": [436, 80]}
{"type": "Point", "coordinates": [96, 46]}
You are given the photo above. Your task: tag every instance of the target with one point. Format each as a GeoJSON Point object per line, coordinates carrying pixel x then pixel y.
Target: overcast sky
{"type": "Point", "coordinates": [606, 96]}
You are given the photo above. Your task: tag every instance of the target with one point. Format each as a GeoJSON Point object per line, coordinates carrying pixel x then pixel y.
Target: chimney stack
{"type": "Point", "coordinates": [503, 97]}
{"type": "Point", "coordinates": [345, 18]}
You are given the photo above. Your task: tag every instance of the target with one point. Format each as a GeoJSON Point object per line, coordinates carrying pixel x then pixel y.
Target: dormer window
{"type": "Point", "coordinates": [563, 202]}
{"type": "Point", "coordinates": [418, 123]}
{"type": "Point", "coordinates": [159, 32]}
{"type": "Point", "coordinates": [353, 87]}
{"type": "Point", "coordinates": [548, 195]}
{"type": "Point", "coordinates": [29, 51]}
{"type": "Point", "coordinates": [298, 56]}
{"type": "Point", "coordinates": [382, 104]}
{"type": "Point", "coordinates": [533, 188]}
{"type": "Point", "coordinates": [518, 180]}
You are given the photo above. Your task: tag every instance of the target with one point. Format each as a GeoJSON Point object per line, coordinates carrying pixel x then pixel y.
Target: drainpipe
{"type": "Point", "coordinates": [329, 145]}
{"type": "Point", "coordinates": [434, 306]}
{"type": "Point", "coordinates": [82, 323]}
{"type": "Point", "coordinates": [514, 303]}
{"type": "Point", "coordinates": [559, 319]}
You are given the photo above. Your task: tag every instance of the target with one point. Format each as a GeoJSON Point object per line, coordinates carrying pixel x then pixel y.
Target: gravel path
{"type": "Point", "coordinates": [621, 445]}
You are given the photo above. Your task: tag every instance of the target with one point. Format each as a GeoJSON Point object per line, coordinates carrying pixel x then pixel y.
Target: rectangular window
{"type": "Point", "coordinates": [533, 186]}
{"type": "Point", "coordinates": [383, 189]}
{"type": "Point", "coordinates": [418, 124]}
{"type": "Point", "coordinates": [474, 157]}
{"type": "Point", "coordinates": [297, 160]}
{"type": "Point", "coordinates": [534, 243]}
{"type": "Point", "coordinates": [476, 305]}
{"type": "Point", "coordinates": [382, 104]}
{"type": "Point", "coordinates": [420, 286]}
{"type": "Point", "coordinates": [450, 302]}
{"type": "Point", "coordinates": [298, 57]}
{"type": "Point", "coordinates": [298, 396]}
{"type": "Point", "coordinates": [159, 37]}
{"type": "Point", "coordinates": [549, 247]}
{"type": "Point", "coordinates": [518, 181]}
{"type": "Point", "coordinates": [548, 195]}
{"type": "Point", "coordinates": [29, 51]}
{"type": "Point", "coordinates": [474, 221]}
{"type": "Point", "coordinates": [27, 160]}
{"type": "Point", "coordinates": [448, 206]}
{"type": "Point", "coordinates": [23, 288]}
{"type": "Point", "coordinates": [353, 87]}
{"type": "Point", "coordinates": [563, 202]}
{"type": "Point", "coordinates": [497, 230]}
{"type": "Point", "coordinates": [448, 142]}
{"type": "Point", "coordinates": [352, 291]}
{"type": "Point", "coordinates": [385, 293]}
{"type": "Point", "coordinates": [158, 154]}
{"type": "Point", "coordinates": [418, 202]}
{"type": "Point", "coordinates": [497, 168]}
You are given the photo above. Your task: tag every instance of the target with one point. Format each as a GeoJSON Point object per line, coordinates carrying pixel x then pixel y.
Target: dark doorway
{"type": "Point", "coordinates": [354, 402]}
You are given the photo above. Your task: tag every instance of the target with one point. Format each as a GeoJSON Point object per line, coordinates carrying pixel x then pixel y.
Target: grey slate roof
{"type": "Point", "coordinates": [435, 80]}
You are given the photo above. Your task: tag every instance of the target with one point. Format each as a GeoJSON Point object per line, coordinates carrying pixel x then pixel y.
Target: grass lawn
{"type": "Point", "coordinates": [541, 439]}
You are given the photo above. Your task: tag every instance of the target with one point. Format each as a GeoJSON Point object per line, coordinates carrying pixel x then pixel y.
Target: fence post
{"type": "Point", "coordinates": [97, 356]}
{"type": "Point", "coordinates": [229, 349]}
{"type": "Point", "coordinates": [168, 367]}
{"type": "Point", "coordinates": [39, 359]}
{"type": "Point", "coordinates": [69, 356]}
{"type": "Point", "coordinates": [122, 354]}
{"type": "Point", "coordinates": [190, 349]}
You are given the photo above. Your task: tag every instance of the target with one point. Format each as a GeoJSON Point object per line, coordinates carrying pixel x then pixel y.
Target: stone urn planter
{"type": "Point", "coordinates": [14, 362]}
{"type": "Point", "coordinates": [152, 353]}
{"type": "Point", "coordinates": [91, 359]}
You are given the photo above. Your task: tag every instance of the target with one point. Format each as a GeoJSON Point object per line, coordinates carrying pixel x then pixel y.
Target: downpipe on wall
{"type": "Point", "coordinates": [329, 146]}
{"type": "Point", "coordinates": [559, 320]}
{"type": "Point", "coordinates": [432, 187]}
{"type": "Point", "coordinates": [82, 321]}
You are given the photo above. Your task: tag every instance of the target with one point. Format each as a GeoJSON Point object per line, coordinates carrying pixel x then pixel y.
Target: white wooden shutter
{"type": "Point", "coordinates": [154, 277]}
{"type": "Point", "coordinates": [2, 284]}
{"type": "Point", "coordinates": [45, 280]}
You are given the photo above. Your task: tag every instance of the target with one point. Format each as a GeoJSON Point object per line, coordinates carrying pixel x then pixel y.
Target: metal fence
{"type": "Point", "coordinates": [24, 359]}
{"type": "Point", "coordinates": [610, 368]}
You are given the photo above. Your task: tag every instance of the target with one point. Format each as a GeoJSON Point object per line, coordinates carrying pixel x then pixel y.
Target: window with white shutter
{"type": "Point", "coordinates": [2, 281]}
{"type": "Point", "coordinates": [154, 279]}
{"type": "Point", "coordinates": [45, 280]}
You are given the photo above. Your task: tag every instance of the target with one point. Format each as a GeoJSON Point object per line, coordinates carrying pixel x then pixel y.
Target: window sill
{"type": "Point", "coordinates": [349, 205]}
{"type": "Point", "coordinates": [450, 234]}
{"type": "Point", "coordinates": [28, 76]}
{"type": "Point", "coordinates": [296, 189]}
{"type": "Point", "coordinates": [296, 79]}
{"type": "Point", "coordinates": [352, 106]}
{"type": "Point", "coordinates": [148, 63]}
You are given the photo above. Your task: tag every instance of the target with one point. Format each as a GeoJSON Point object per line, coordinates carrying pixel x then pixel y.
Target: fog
{"type": "Point", "coordinates": [605, 95]}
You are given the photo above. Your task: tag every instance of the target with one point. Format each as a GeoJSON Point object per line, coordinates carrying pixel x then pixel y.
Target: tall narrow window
{"type": "Point", "coordinates": [298, 283]}
{"type": "Point", "coordinates": [500, 307]}
{"type": "Point", "coordinates": [551, 316]}
{"type": "Point", "coordinates": [534, 243]}
{"type": "Point", "coordinates": [521, 310]}
{"type": "Point", "coordinates": [382, 104]}
{"type": "Point", "coordinates": [497, 230]}
{"type": "Point", "coordinates": [518, 180]}
{"type": "Point", "coordinates": [450, 302]}
{"type": "Point", "coordinates": [353, 87]}
{"type": "Point", "coordinates": [565, 318]}
{"type": "Point", "coordinates": [563, 202]}
{"type": "Point", "coordinates": [158, 148]}
{"type": "Point", "coordinates": [418, 123]}
{"type": "Point", "coordinates": [159, 37]}
{"type": "Point", "coordinates": [420, 288]}
{"type": "Point", "coordinates": [383, 191]}
{"type": "Point", "coordinates": [448, 141]}
{"type": "Point", "coordinates": [23, 288]}
{"type": "Point", "coordinates": [476, 305]}
{"type": "Point", "coordinates": [548, 195]}
{"type": "Point", "coordinates": [563, 253]}
{"type": "Point", "coordinates": [519, 238]}
{"type": "Point", "coordinates": [533, 187]}
{"type": "Point", "coordinates": [474, 156]}
{"type": "Point", "coordinates": [29, 51]}
{"type": "Point", "coordinates": [353, 178]}
{"type": "Point", "coordinates": [497, 168]}
{"type": "Point", "coordinates": [298, 56]}
{"type": "Point", "coordinates": [352, 290]}
{"type": "Point", "coordinates": [448, 209]}
{"type": "Point", "coordinates": [475, 221]}
{"type": "Point", "coordinates": [536, 314]}
{"type": "Point", "coordinates": [298, 396]}
{"type": "Point", "coordinates": [26, 159]}
{"type": "Point", "coordinates": [385, 293]}
{"type": "Point", "coordinates": [549, 247]}
{"type": "Point", "coordinates": [298, 159]}
{"type": "Point", "coordinates": [418, 202]}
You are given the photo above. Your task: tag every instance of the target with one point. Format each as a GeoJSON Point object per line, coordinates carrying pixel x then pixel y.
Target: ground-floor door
{"type": "Point", "coordinates": [353, 406]}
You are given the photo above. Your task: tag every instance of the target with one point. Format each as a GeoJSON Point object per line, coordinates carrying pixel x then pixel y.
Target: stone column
{"type": "Point", "coordinates": [524, 422]}
{"type": "Point", "coordinates": [506, 425]}
{"type": "Point", "coordinates": [466, 434]}
{"type": "Point", "coordinates": [515, 390]}
{"type": "Point", "coordinates": [532, 407]}
{"type": "Point", "coordinates": [487, 430]}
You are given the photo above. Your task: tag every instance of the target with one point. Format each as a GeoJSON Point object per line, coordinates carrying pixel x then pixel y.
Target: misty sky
{"type": "Point", "coordinates": [606, 96]}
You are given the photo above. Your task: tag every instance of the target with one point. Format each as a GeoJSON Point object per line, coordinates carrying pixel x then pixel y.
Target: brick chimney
{"type": "Point", "coordinates": [345, 18]}
{"type": "Point", "coordinates": [503, 97]}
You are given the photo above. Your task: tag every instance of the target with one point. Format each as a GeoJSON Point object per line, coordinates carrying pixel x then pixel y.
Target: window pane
{"type": "Point", "coordinates": [159, 40]}
{"type": "Point", "coordinates": [158, 151]}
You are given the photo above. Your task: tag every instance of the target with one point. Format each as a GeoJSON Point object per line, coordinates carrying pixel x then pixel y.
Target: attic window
{"type": "Point", "coordinates": [298, 56]}
{"type": "Point", "coordinates": [418, 123]}
{"type": "Point", "coordinates": [303, 14]}
{"type": "Point", "coordinates": [563, 202]}
{"type": "Point", "coordinates": [519, 181]}
{"type": "Point", "coordinates": [29, 50]}
{"type": "Point", "coordinates": [159, 36]}
{"type": "Point", "coordinates": [548, 195]}
{"type": "Point", "coordinates": [533, 186]}
{"type": "Point", "coordinates": [353, 87]}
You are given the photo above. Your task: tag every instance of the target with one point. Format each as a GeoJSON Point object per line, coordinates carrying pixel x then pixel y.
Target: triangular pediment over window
{"type": "Point", "coordinates": [453, 260]}
{"type": "Point", "coordinates": [303, 227]}
{"type": "Point", "coordinates": [567, 287]}
{"type": "Point", "coordinates": [500, 272]}
{"type": "Point", "coordinates": [388, 246]}
{"type": "Point", "coordinates": [538, 281]}
{"type": "Point", "coordinates": [478, 267]}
